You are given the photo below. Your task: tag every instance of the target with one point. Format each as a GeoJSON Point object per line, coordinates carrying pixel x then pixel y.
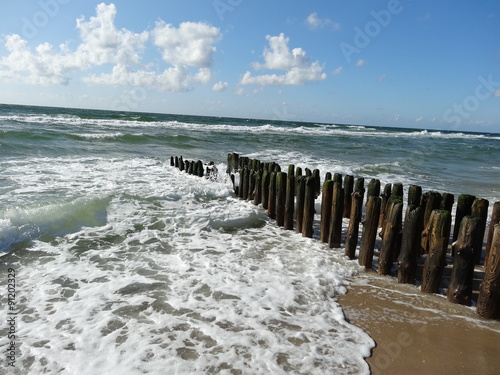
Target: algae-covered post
{"type": "Point", "coordinates": [308, 218]}
{"type": "Point", "coordinates": [495, 219]}
{"type": "Point", "coordinates": [462, 275]}
{"type": "Point", "coordinates": [369, 233]}
{"type": "Point", "coordinates": [281, 178]}
{"type": "Point", "coordinates": [299, 204]}
{"type": "Point", "coordinates": [348, 189]}
{"type": "Point", "coordinates": [488, 303]}
{"type": "Point", "coordinates": [337, 209]}
{"type": "Point", "coordinates": [290, 197]}
{"type": "Point", "coordinates": [410, 244]}
{"type": "Point", "coordinates": [353, 229]}
{"type": "Point", "coordinates": [326, 210]}
{"type": "Point", "coordinates": [438, 233]}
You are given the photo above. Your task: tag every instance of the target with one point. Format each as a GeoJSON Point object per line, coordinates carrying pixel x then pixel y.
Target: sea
{"type": "Point", "coordinates": [115, 262]}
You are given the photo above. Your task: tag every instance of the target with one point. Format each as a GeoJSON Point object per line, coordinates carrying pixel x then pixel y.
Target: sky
{"type": "Point", "coordinates": [406, 63]}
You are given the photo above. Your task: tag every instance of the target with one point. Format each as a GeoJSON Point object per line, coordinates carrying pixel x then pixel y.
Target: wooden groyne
{"type": "Point", "coordinates": [417, 247]}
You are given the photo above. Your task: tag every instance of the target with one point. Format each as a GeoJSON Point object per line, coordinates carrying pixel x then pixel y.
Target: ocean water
{"type": "Point", "coordinates": [124, 264]}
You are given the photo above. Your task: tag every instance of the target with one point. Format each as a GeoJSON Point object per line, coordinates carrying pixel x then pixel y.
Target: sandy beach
{"type": "Point", "coordinates": [417, 333]}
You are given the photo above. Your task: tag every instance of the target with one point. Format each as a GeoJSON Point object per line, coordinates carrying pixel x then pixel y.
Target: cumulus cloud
{"type": "Point", "coordinates": [187, 50]}
{"type": "Point", "coordinates": [220, 86]}
{"type": "Point", "coordinates": [295, 63]}
{"type": "Point", "coordinates": [314, 22]}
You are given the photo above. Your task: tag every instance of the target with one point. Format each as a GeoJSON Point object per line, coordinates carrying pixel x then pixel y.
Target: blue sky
{"type": "Point", "coordinates": [424, 64]}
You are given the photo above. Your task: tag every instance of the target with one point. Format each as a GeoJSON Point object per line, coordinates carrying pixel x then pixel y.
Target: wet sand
{"type": "Point", "coordinates": [417, 333]}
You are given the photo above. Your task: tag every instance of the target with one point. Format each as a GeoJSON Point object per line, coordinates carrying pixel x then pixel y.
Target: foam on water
{"type": "Point", "coordinates": [168, 273]}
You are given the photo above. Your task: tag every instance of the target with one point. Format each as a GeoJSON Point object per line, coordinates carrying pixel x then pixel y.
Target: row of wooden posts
{"type": "Point", "coordinates": [289, 198]}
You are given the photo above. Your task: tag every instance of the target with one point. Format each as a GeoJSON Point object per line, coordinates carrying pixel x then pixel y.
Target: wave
{"type": "Point", "coordinates": [243, 126]}
{"type": "Point", "coordinates": [47, 221]}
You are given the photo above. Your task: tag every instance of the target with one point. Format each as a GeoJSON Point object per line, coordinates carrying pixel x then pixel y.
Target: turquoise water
{"type": "Point", "coordinates": [126, 265]}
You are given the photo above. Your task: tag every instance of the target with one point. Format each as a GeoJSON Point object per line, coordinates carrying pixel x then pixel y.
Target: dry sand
{"type": "Point", "coordinates": [419, 333]}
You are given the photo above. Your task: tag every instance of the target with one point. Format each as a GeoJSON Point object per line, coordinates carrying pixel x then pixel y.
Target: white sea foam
{"type": "Point", "coordinates": [177, 277]}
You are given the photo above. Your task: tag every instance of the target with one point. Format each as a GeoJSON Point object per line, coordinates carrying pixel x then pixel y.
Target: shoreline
{"type": "Point", "coordinates": [419, 333]}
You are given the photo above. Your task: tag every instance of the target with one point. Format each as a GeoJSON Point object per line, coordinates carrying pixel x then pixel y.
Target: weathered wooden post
{"type": "Point", "coordinates": [464, 207]}
{"type": "Point", "coordinates": [480, 209]}
{"type": "Point", "coordinates": [181, 163]}
{"type": "Point", "coordinates": [251, 184]}
{"type": "Point", "coordinates": [438, 234]}
{"type": "Point", "coordinates": [390, 233]}
{"type": "Point", "coordinates": [462, 275]}
{"type": "Point", "coordinates": [326, 210]}
{"type": "Point", "coordinates": [337, 209]}
{"type": "Point", "coordinates": [232, 163]}
{"type": "Point", "coordinates": [495, 219]}
{"type": "Point", "coordinates": [373, 188]}
{"type": "Point", "coordinates": [299, 204]}
{"type": "Point", "coordinates": [290, 197]}
{"type": "Point", "coordinates": [431, 201]}
{"type": "Point", "coordinates": [317, 182]}
{"type": "Point", "coordinates": [308, 218]}
{"type": "Point", "coordinates": [172, 162]}
{"type": "Point", "coordinates": [383, 207]}
{"type": "Point", "coordinates": [176, 162]}
{"type": "Point", "coordinates": [488, 303]}
{"type": "Point", "coordinates": [414, 195]}
{"type": "Point", "coordinates": [369, 233]}
{"type": "Point", "coordinates": [447, 201]}
{"type": "Point", "coordinates": [266, 180]}
{"type": "Point", "coordinates": [353, 228]}
{"type": "Point", "coordinates": [410, 244]}
{"type": "Point", "coordinates": [271, 205]}
{"type": "Point", "coordinates": [348, 189]}
{"type": "Point", "coordinates": [257, 196]}
{"type": "Point", "coordinates": [244, 180]}
{"type": "Point", "coordinates": [281, 178]}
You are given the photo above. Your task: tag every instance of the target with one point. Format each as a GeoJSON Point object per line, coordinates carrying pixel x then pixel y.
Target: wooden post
{"type": "Point", "coordinates": [308, 218]}
{"type": "Point", "coordinates": [172, 162]}
{"type": "Point", "coordinates": [488, 303]}
{"type": "Point", "coordinates": [266, 180]}
{"type": "Point", "coordinates": [328, 176]}
{"type": "Point", "coordinates": [244, 180]}
{"type": "Point", "coordinates": [337, 209]}
{"type": "Point", "coordinates": [298, 173]}
{"type": "Point", "coordinates": [480, 209]}
{"type": "Point", "coordinates": [439, 233]}
{"type": "Point", "coordinates": [359, 187]}
{"type": "Point", "coordinates": [369, 234]}
{"type": "Point", "coordinates": [317, 182]}
{"type": "Point", "coordinates": [181, 163]}
{"type": "Point", "coordinates": [281, 178]}
{"type": "Point", "coordinates": [251, 184]}
{"type": "Point", "coordinates": [390, 232]}
{"type": "Point", "coordinates": [432, 201]}
{"type": "Point", "coordinates": [462, 275]}
{"type": "Point", "coordinates": [353, 228]}
{"type": "Point", "coordinates": [232, 163]}
{"type": "Point", "coordinates": [447, 201]}
{"type": "Point", "coordinates": [299, 204]}
{"type": "Point", "coordinates": [383, 207]}
{"type": "Point", "coordinates": [271, 205]}
{"type": "Point", "coordinates": [495, 219]}
{"type": "Point", "coordinates": [290, 197]}
{"type": "Point", "coordinates": [176, 162]}
{"type": "Point", "coordinates": [257, 196]}
{"type": "Point", "coordinates": [414, 195]}
{"type": "Point", "coordinates": [410, 243]}
{"type": "Point", "coordinates": [326, 210]}
{"type": "Point", "coordinates": [373, 188]}
{"type": "Point", "coordinates": [464, 207]}
{"type": "Point", "coordinates": [348, 189]}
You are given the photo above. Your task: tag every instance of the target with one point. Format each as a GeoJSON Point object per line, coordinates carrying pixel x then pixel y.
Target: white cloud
{"type": "Point", "coordinates": [338, 70]}
{"type": "Point", "coordinates": [279, 57]}
{"type": "Point", "coordinates": [191, 44]}
{"type": "Point", "coordinates": [419, 119]}
{"type": "Point", "coordinates": [496, 94]}
{"type": "Point", "coordinates": [360, 62]}
{"type": "Point", "coordinates": [320, 23]}
{"type": "Point", "coordinates": [187, 49]}
{"type": "Point", "coordinates": [220, 86]}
